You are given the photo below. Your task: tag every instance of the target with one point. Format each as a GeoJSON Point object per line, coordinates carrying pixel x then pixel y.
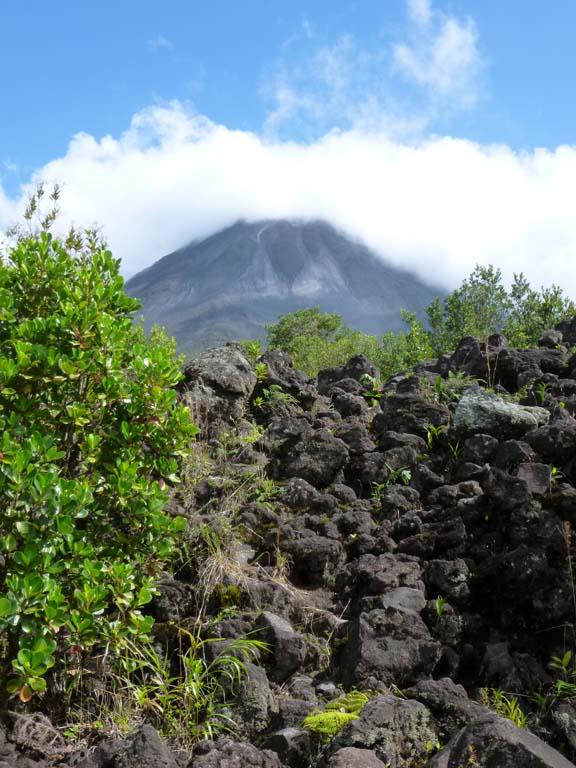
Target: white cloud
{"type": "Point", "coordinates": [160, 43]}
{"type": "Point", "coordinates": [420, 12]}
{"type": "Point", "coordinates": [443, 57]}
{"type": "Point", "coordinates": [343, 84]}
{"type": "Point", "coordinates": [436, 206]}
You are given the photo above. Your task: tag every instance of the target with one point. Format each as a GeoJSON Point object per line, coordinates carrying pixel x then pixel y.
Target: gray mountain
{"type": "Point", "coordinates": [230, 285]}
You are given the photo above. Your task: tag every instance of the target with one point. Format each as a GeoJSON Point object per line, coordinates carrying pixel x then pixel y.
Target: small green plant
{"type": "Point", "coordinates": [455, 449]}
{"type": "Point", "coordinates": [542, 391]}
{"type": "Point", "coordinates": [503, 705]}
{"type": "Point", "coordinates": [253, 349]}
{"type": "Point", "coordinates": [433, 434]}
{"type": "Point", "coordinates": [555, 473]}
{"type": "Point", "coordinates": [402, 475]}
{"type": "Point", "coordinates": [265, 492]}
{"type": "Point", "coordinates": [440, 603]}
{"type": "Point", "coordinates": [273, 395]}
{"type": "Point", "coordinates": [371, 390]}
{"type": "Point", "coordinates": [261, 371]}
{"type": "Point", "coordinates": [336, 715]}
{"type": "Point", "coordinates": [189, 702]}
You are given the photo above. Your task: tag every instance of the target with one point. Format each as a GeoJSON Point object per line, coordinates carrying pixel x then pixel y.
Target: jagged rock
{"type": "Point", "coordinates": [512, 453]}
{"type": "Point", "coordinates": [217, 386]}
{"type": "Point", "coordinates": [352, 757]}
{"type": "Point", "coordinates": [479, 448]}
{"type": "Point", "coordinates": [389, 439]}
{"type": "Point", "coordinates": [318, 458]}
{"type": "Point", "coordinates": [292, 745]}
{"type": "Point", "coordinates": [556, 442]}
{"type": "Point", "coordinates": [389, 645]}
{"type": "Point", "coordinates": [233, 754]}
{"type": "Point", "coordinates": [375, 575]}
{"type": "Point", "coordinates": [257, 704]}
{"type": "Point", "coordinates": [448, 578]}
{"type": "Point", "coordinates": [290, 650]}
{"type": "Point", "coordinates": [480, 412]}
{"type": "Point", "coordinates": [396, 730]}
{"type": "Point", "coordinates": [398, 500]}
{"type": "Point", "coordinates": [355, 368]}
{"type": "Point", "coordinates": [491, 741]}
{"type": "Point", "coordinates": [537, 477]}
{"type": "Point", "coordinates": [173, 600]}
{"type": "Point", "coordinates": [143, 748]}
{"type": "Point", "coordinates": [353, 432]}
{"type": "Point", "coordinates": [413, 414]}
{"type": "Point", "coordinates": [551, 339]}
{"type": "Point", "coordinates": [280, 371]}
{"type": "Point", "coordinates": [448, 703]}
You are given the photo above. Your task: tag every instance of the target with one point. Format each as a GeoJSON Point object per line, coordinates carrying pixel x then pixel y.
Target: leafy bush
{"type": "Point", "coordinates": [90, 438]}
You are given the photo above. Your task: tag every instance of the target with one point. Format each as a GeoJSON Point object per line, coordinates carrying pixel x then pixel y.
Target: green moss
{"type": "Point", "coordinates": [338, 713]}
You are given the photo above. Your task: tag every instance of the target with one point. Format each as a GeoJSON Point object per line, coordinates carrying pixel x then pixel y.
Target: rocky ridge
{"type": "Point", "coordinates": [412, 541]}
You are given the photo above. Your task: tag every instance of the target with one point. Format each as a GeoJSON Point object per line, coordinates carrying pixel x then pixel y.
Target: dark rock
{"type": "Point", "coordinates": [292, 745]}
{"type": "Point", "coordinates": [174, 600]}
{"type": "Point", "coordinates": [143, 748]}
{"type": "Point", "coordinates": [355, 368]}
{"type": "Point", "coordinates": [352, 757]}
{"type": "Point", "coordinates": [556, 442]}
{"type": "Point", "coordinates": [511, 453]}
{"type": "Point", "coordinates": [413, 414]}
{"type": "Point", "coordinates": [291, 651]}
{"type": "Point", "coordinates": [353, 432]}
{"type": "Point", "coordinates": [551, 339]}
{"type": "Point", "coordinates": [396, 730]}
{"type": "Point", "coordinates": [281, 372]}
{"type": "Point", "coordinates": [399, 499]}
{"type": "Point", "coordinates": [217, 386]}
{"type": "Point", "coordinates": [388, 646]}
{"type": "Point", "coordinates": [493, 742]}
{"type": "Point", "coordinates": [479, 448]}
{"type": "Point", "coordinates": [389, 439]}
{"type": "Point", "coordinates": [318, 458]}
{"type": "Point", "coordinates": [256, 702]}
{"type": "Point", "coordinates": [448, 703]}
{"type": "Point", "coordinates": [448, 578]}
{"type": "Point", "coordinates": [537, 477]}
{"type": "Point", "coordinates": [232, 754]}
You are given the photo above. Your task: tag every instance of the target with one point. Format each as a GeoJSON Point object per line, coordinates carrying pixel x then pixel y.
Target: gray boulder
{"type": "Point", "coordinates": [479, 411]}
{"type": "Point", "coordinates": [396, 730]}
{"type": "Point", "coordinates": [491, 742]}
{"type": "Point", "coordinates": [216, 388]}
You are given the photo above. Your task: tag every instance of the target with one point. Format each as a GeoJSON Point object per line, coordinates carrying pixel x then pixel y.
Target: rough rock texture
{"type": "Point", "coordinates": [479, 411]}
{"type": "Point", "coordinates": [216, 388]}
{"type": "Point", "coordinates": [492, 741]}
{"type": "Point", "coordinates": [396, 730]}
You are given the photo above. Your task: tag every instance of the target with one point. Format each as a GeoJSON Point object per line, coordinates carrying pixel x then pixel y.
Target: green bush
{"type": "Point", "coordinates": [90, 437]}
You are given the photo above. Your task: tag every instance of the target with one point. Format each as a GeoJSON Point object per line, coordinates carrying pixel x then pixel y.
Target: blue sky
{"type": "Point", "coordinates": [189, 115]}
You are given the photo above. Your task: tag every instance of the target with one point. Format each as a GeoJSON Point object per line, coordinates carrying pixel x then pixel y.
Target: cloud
{"type": "Point", "coordinates": [160, 43]}
{"type": "Point", "coordinates": [443, 57]}
{"type": "Point", "coordinates": [345, 85]}
{"type": "Point", "coordinates": [436, 206]}
{"type": "Point", "coordinates": [420, 12]}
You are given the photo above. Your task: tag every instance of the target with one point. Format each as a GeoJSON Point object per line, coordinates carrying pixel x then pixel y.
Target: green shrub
{"type": "Point", "coordinates": [90, 437]}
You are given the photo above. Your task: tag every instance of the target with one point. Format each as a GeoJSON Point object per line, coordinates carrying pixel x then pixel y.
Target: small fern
{"type": "Point", "coordinates": [337, 714]}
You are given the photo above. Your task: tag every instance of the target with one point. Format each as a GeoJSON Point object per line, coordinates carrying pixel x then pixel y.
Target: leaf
{"type": "Point", "coordinates": [25, 693]}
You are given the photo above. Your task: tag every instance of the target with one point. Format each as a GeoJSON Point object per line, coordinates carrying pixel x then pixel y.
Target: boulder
{"type": "Point", "coordinates": [396, 730]}
{"type": "Point", "coordinates": [216, 388]}
{"type": "Point", "coordinates": [492, 741]}
{"type": "Point", "coordinates": [479, 411]}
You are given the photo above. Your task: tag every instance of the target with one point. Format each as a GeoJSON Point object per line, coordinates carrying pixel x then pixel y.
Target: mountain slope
{"type": "Point", "coordinates": [232, 284]}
